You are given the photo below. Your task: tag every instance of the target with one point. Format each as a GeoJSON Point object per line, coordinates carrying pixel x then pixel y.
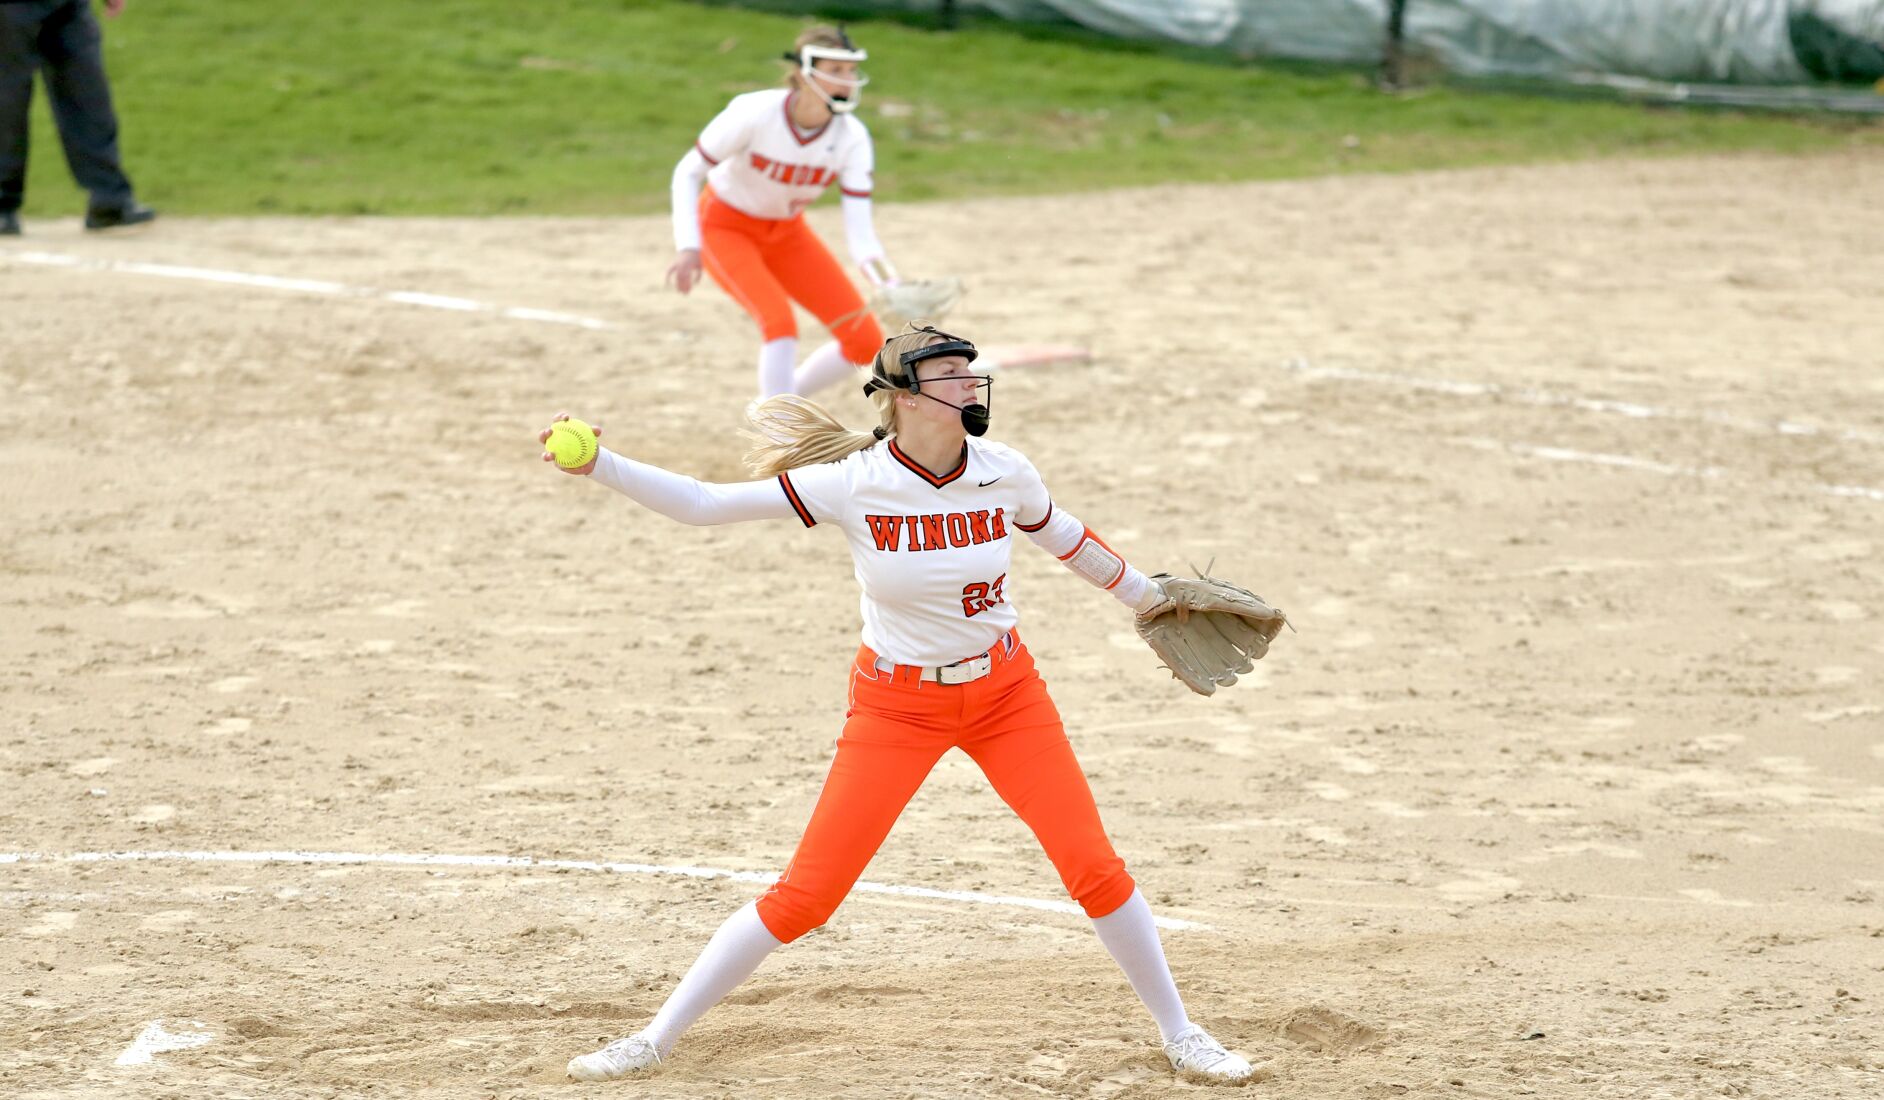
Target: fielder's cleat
{"type": "Point", "coordinates": [118, 217]}
{"type": "Point", "coordinates": [616, 1060]}
{"type": "Point", "coordinates": [1194, 1053]}
{"type": "Point", "coordinates": [9, 224]}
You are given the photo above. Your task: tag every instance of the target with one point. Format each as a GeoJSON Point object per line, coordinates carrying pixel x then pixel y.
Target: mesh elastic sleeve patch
{"type": "Point", "coordinates": [1095, 561]}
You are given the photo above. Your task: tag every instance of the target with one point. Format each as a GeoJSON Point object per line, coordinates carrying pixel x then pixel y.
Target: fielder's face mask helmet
{"type": "Point", "coordinates": [975, 413]}
{"type": "Point", "coordinates": [850, 91]}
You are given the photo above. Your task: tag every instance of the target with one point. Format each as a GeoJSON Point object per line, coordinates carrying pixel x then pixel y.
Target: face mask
{"type": "Point", "coordinates": [975, 420]}
{"type": "Point", "coordinates": [850, 91]}
{"type": "Point", "coordinates": [975, 414]}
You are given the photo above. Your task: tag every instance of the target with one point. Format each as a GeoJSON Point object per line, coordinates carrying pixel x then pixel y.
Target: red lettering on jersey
{"type": "Point", "coordinates": [978, 596]}
{"type": "Point", "coordinates": [795, 175]}
{"type": "Point", "coordinates": [936, 532]}
{"type": "Point", "coordinates": [885, 529]}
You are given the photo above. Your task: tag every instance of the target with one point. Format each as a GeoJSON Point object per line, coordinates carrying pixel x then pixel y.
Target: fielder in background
{"type": "Point", "coordinates": [765, 158]}
{"type": "Point", "coordinates": [929, 510]}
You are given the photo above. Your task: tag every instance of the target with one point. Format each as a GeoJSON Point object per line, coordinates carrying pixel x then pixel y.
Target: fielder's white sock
{"type": "Point", "coordinates": [824, 367]}
{"type": "Point", "coordinates": [1132, 938]}
{"type": "Point", "coordinates": [775, 366]}
{"type": "Point", "coordinates": [734, 952]}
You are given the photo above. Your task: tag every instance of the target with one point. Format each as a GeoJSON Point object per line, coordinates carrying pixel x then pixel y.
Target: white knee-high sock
{"type": "Point", "coordinates": [776, 359]}
{"type": "Point", "coordinates": [730, 957]}
{"type": "Point", "coordinates": [822, 368]}
{"type": "Point", "coordinates": [1132, 938]}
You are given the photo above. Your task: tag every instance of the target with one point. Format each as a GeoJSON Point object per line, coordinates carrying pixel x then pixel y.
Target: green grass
{"type": "Point", "coordinates": [582, 106]}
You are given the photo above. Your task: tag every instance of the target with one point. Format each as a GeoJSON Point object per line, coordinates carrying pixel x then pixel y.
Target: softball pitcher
{"type": "Point", "coordinates": [930, 510]}
{"type": "Point", "coordinates": [765, 158]}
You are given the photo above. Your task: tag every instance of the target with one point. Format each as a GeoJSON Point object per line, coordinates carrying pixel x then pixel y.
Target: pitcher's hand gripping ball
{"type": "Point", "coordinates": [1207, 631]}
{"type": "Point", "coordinates": [572, 442]}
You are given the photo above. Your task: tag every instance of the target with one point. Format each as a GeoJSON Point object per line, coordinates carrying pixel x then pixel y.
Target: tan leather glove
{"type": "Point", "coordinates": [926, 300]}
{"type": "Point", "coordinates": [1207, 631]}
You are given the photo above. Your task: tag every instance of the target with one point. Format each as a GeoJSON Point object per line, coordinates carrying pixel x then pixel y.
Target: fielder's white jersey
{"type": "Point", "coordinates": [931, 550]}
{"type": "Point", "coordinates": [764, 166]}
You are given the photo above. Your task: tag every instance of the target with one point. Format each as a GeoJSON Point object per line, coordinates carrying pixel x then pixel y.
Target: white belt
{"type": "Point", "coordinates": [961, 672]}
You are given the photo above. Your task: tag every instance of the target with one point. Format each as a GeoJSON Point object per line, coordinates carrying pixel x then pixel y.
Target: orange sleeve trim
{"type": "Point", "coordinates": [791, 494]}
{"type": "Point", "coordinates": [709, 157]}
{"type": "Point", "coordinates": [855, 194]}
{"type": "Point", "coordinates": [1030, 528]}
{"type": "Point", "coordinates": [1090, 534]}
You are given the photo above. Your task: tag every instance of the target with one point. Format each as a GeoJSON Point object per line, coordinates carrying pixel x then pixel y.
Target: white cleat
{"type": "Point", "coordinates": [1194, 1053]}
{"type": "Point", "coordinates": [616, 1060]}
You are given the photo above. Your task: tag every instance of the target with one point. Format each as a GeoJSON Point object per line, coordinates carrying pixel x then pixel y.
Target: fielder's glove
{"type": "Point", "coordinates": [915, 300]}
{"type": "Point", "coordinates": [1206, 631]}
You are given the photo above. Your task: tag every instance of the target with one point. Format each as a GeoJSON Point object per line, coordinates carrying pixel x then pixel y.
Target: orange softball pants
{"type": "Point", "coordinates": [765, 265]}
{"type": "Point", "coordinates": [897, 727]}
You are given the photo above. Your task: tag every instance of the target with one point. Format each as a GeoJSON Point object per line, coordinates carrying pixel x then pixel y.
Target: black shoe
{"type": "Point", "coordinates": [9, 224]}
{"type": "Point", "coordinates": [114, 217]}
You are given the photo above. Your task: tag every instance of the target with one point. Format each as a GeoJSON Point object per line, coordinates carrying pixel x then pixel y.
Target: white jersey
{"type": "Point", "coordinates": [931, 550]}
{"type": "Point", "coordinates": [766, 167]}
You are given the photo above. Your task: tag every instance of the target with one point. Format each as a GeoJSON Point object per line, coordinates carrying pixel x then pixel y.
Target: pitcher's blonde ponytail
{"type": "Point", "coordinates": [789, 431]}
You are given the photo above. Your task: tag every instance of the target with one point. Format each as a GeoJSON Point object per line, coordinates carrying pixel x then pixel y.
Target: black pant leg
{"type": "Point", "coordinates": [19, 60]}
{"type": "Point", "coordinates": [73, 49]}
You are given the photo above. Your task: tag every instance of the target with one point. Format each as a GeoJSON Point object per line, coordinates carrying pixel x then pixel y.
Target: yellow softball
{"type": "Point", "coordinates": [572, 442]}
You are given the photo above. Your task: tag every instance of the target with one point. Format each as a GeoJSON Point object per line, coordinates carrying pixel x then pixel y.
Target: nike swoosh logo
{"type": "Point", "coordinates": [991, 481]}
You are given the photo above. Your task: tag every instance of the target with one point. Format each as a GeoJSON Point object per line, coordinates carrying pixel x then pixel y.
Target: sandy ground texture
{"type": "Point", "coordinates": [1570, 785]}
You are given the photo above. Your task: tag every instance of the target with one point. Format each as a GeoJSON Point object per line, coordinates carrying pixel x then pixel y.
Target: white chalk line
{"type": "Point", "coordinates": [156, 1039]}
{"type": "Point", "coordinates": [432, 859]}
{"type": "Point", "coordinates": [1593, 458]}
{"type": "Point", "coordinates": [1630, 462]}
{"type": "Point", "coordinates": [1525, 395]}
{"type": "Point", "coordinates": [1624, 408]}
{"type": "Point", "coordinates": [307, 286]}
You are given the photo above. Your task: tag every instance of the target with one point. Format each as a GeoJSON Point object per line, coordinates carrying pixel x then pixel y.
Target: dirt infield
{"type": "Point", "coordinates": [1571, 784]}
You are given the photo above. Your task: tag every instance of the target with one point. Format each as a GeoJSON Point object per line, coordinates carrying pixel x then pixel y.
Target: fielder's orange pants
{"type": "Point", "coordinates": [766, 265]}
{"type": "Point", "coordinates": [897, 727]}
